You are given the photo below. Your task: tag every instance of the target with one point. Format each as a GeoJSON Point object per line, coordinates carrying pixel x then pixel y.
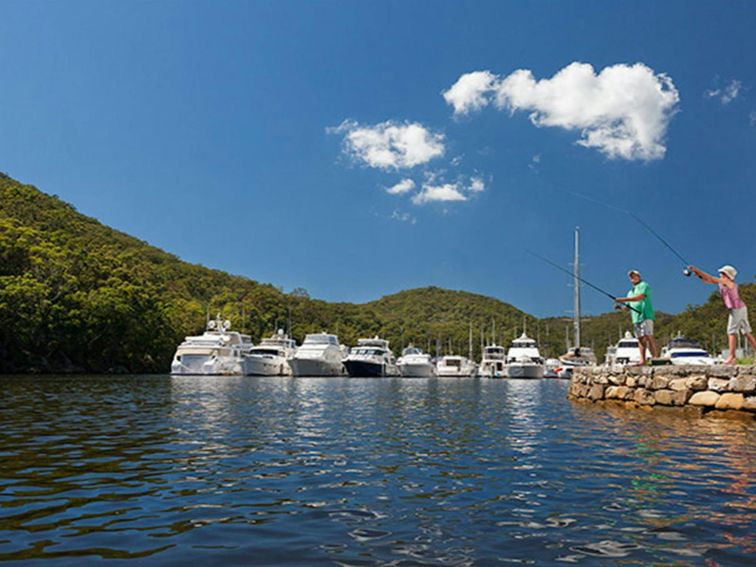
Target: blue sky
{"type": "Point", "coordinates": [260, 138]}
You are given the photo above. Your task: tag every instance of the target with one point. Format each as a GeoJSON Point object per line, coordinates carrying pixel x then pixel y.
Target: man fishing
{"type": "Point", "coordinates": [642, 314]}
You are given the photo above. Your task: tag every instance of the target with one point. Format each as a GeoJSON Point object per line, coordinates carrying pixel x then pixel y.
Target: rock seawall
{"type": "Point", "coordinates": [701, 390]}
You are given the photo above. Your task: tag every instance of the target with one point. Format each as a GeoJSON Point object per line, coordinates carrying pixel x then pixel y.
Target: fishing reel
{"type": "Point", "coordinates": [686, 272]}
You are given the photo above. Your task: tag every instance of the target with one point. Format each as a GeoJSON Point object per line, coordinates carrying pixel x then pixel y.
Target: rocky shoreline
{"type": "Point", "coordinates": [723, 391]}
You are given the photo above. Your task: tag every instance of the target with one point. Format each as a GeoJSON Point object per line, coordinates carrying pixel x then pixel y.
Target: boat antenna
{"type": "Point", "coordinates": [583, 280]}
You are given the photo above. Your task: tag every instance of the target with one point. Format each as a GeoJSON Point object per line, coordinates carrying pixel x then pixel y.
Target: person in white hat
{"type": "Point", "coordinates": [737, 322]}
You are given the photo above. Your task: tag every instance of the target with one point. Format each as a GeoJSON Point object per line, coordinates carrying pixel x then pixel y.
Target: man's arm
{"type": "Point", "coordinates": [639, 297]}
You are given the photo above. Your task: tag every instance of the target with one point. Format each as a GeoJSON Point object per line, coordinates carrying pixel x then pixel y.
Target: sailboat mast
{"type": "Point", "coordinates": [469, 346]}
{"type": "Point", "coordinates": [576, 286]}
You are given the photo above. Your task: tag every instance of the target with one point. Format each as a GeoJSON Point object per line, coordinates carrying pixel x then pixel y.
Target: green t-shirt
{"type": "Point", "coordinates": [644, 309]}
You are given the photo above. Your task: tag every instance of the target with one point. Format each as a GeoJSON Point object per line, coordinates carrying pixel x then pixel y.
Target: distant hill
{"type": "Point", "coordinates": [78, 296]}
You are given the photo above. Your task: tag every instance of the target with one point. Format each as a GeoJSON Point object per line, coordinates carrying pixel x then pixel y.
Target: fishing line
{"type": "Point", "coordinates": [686, 271]}
{"type": "Point", "coordinates": [589, 284]}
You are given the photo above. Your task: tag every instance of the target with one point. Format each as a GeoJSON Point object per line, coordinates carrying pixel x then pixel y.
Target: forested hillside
{"type": "Point", "coordinates": [78, 296]}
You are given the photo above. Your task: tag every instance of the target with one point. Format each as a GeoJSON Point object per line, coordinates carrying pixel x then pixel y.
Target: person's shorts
{"type": "Point", "coordinates": [737, 322]}
{"type": "Point", "coordinates": [644, 329]}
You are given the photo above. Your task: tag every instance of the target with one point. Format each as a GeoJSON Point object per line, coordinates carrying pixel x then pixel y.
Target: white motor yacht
{"type": "Point", "coordinates": [371, 358]}
{"type": "Point", "coordinates": [523, 359]}
{"type": "Point", "coordinates": [271, 357]}
{"type": "Point", "coordinates": [218, 351]}
{"type": "Point", "coordinates": [414, 363]}
{"type": "Point", "coordinates": [625, 352]}
{"type": "Point", "coordinates": [319, 355]}
{"type": "Point", "coordinates": [493, 362]}
{"type": "Point", "coordinates": [453, 366]}
{"type": "Point", "coordinates": [682, 350]}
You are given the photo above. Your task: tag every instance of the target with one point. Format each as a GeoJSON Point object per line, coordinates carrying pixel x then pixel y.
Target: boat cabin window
{"type": "Point", "coordinates": [321, 339]}
{"type": "Point", "coordinates": [368, 351]}
{"type": "Point", "coordinates": [628, 344]}
{"type": "Point", "coordinates": [271, 351]}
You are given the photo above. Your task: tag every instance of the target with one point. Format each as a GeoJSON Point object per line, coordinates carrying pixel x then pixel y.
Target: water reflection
{"type": "Point", "coordinates": [341, 471]}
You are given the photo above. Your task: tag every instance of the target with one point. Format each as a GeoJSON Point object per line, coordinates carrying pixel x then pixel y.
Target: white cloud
{"type": "Point", "coordinates": [404, 186]}
{"type": "Point", "coordinates": [535, 161]}
{"type": "Point", "coordinates": [403, 217]}
{"type": "Point", "coordinates": [446, 192]}
{"type": "Point", "coordinates": [727, 94]}
{"type": "Point", "coordinates": [390, 145]}
{"type": "Point", "coordinates": [623, 111]}
{"type": "Point", "coordinates": [470, 92]}
{"type": "Point", "coordinates": [476, 185]}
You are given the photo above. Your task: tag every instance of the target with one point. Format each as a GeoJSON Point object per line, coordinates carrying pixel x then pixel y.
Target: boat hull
{"type": "Point", "coordinates": [532, 371]}
{"type": "Point", "coordinates": [492, 370]}
{"type": "Point", "coordinates": [259, 366]}
{"type": "Point", "coordinates": [416, 370]}
{"type": "Point", "coordinates": [367, 369]}
{"type": "Point", "coordinates": [206, 366]}
{"type": "Point", "coordinates": [315, 367]}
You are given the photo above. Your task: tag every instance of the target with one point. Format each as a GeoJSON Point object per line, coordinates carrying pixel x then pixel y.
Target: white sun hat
{"type": "Point", "coordinates": [729, 271]}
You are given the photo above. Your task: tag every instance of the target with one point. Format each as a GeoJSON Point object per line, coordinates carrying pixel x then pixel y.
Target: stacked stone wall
{"type": "Point", "coordinates": [714, 390]}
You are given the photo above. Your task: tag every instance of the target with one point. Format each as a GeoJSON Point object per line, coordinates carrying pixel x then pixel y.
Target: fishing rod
{"type": "Point", "coordinates": [686, 272]}
{"type": "Point", "coordinates": [589, 284]}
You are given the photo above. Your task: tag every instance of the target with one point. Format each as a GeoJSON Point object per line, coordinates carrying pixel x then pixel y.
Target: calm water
{"type": "Point", "coordinates": [164, 470]}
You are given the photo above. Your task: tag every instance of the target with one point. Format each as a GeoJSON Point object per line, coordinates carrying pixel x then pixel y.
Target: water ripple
{"type": "Point", "coordinates": [362, 472]}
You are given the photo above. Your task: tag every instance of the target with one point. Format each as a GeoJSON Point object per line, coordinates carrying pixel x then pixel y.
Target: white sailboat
{"type": "Point", "coordinates": [577, 355]}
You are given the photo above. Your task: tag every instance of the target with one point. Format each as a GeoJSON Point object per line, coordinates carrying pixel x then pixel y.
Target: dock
{"type": "Point", "coordinates": [719, 391]}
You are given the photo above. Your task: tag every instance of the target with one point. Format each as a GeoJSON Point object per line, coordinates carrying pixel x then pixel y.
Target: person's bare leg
{"type": "Point", "coordinates": [751, 340]}
{"type": "Point", "coordinates": [642, 349]}
{"type": "Point", "coordinates": [652, 346]}
{"type": "Point", "coordinates": [732, 341]}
